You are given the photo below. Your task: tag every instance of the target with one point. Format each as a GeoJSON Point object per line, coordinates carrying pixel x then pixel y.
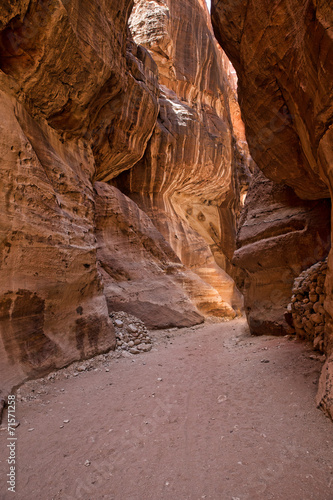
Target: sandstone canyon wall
{"type": "Point", "coordinates": [82, 102]}
{"type": "Point", "coordinates": [184, 181]}
{"type": "Point", "coordinates": [282, 51]}
{"type": "Point", "coordinates": [279, 236]}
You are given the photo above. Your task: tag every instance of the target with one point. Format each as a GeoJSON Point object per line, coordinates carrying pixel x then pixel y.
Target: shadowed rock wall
{"type": "Point", "coordinates": [282, 51]}
{"type": "Point", "coordinates": [279, 236]}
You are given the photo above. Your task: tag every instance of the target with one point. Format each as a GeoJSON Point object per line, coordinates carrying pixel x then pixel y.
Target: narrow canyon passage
{"type": "Point", "coordinates": [210, 413]}
{"type": "Point", "coordinates": [166, 171]}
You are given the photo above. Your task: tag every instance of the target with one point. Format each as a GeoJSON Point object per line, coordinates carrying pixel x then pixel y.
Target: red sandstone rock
{"type": "Point", "coordinates": [279, 236]}
{"type": "Point", "coordinates": [96, 89]}
{"type": "Point", "coordinates": [78, 101]}
{"type": "Point", "coordinates": [52, 307]}
{"type": "Point", "coordinates": [140, 271]}
{"type": "Point", "coordinates": [282, 52]}
{"type": "Point", "coordinates": [185, 181]}
{"type": "Point", "coordinates": [324, 397]}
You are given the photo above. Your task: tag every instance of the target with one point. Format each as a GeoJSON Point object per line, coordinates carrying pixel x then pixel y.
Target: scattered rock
{"type": "Point", "coordinates": [307, 311]}
{"type": "Point", "coordinates": [131, 333]}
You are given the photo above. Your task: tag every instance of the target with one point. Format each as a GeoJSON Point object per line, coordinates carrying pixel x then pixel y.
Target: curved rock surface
{"type": "Point", "coordinates": [52, 307]}
{"type": "Point", "coordinates": [140, 271]}
{"type": "Point", "coordinates": [79, 102]}
{"type": "Point", "coordinates": [186, 178]}
{"type": "Point", "coordinates": [70, 65]}
{"type": "Point", "coordinates": [279, 236]}
{"type": "Point", "coordinates": [282, 52]}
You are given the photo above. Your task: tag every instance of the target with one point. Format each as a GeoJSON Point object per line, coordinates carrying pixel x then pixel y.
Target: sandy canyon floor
{"type": "Point", "coordinates": [210, 413]}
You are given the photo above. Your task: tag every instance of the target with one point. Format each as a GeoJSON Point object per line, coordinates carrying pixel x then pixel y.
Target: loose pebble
{"type": "Point", "coordinates": [131, 333]}
{"type": "Point", "coordinates": [306, 307]}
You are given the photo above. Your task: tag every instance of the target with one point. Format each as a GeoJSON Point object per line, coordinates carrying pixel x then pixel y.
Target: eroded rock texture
{"type": "Point", "coordinates": [185, 181]}
{"type": "Point", "coordinates": [282, 51]}
{"type": "Point", "coordinates": [78, 101]}
{"type": "Point", "coordinates": [82, 102]}
{"type": "Point", "coordinates": [52, 306]}
{"type": "Point", "coordinates": [279, 236]}
{"type": "Point", "coordinates": [140, 271]}
{"type": "Point", "coordinates": [306, 308]}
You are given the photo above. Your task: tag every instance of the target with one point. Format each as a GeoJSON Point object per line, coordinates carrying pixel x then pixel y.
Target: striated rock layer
{"type": "Point", "coordinates": [140, 271]}
{"type": "Point", "coordinates": [186, 182]}
{"type": "Point", "coordinates": [78, 101]}
{"type": "Point", "coordinates": [282, 51]}
{"type": "Point", "coordinates": [279, 236]}
{"type": "Point", "coordinates": [81, 103]}
{"type": "Point", "coordinates": [52, 305]}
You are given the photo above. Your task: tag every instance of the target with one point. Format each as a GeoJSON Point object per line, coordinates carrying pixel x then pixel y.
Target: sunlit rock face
{"type": "Point", "coordinates": [140, 271]}
{"type": "Point", "coordinates": [79, 101]}
{"type": "Point", "coordinates": [282, 51]}
{"type": "Point", "coordinates": [186, 181]}
{"type": "Point", "coordinates": [82, 103]}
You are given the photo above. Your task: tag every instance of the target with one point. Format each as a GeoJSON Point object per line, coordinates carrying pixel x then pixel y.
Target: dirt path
{"type": "Point", "coordinates": [209, 413]}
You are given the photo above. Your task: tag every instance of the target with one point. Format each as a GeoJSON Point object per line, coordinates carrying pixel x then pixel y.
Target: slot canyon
{"type": "Point", "coordinates": [166, 278]}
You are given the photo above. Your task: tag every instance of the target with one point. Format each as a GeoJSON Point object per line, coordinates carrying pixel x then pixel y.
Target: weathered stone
{"type": "Point", "coordinates": [133, 256]}
{"type": "Point", "coordinates": [279, 235]}
{"type": "Point", "coordinates": [282, 52]}
{"type": "Point", "coordinates": [134, 350]}
{"type": "Point", "coordinates": [316, 318]}
{"type": "Point", "coordinates": [90, 117]}
{"type": "Point", "coordinates": [324, 397]}
{"type": "Point", "coordinates": [52, 308]}
{"type": "Point", "coordinates": [185, 180]}
{"type": "Point", "coordinates": [318, 308]}
{"type": "Point", "coordinates": [313, 297]}
{"type": "Point", "coordinates": [145, 347]}
{"type": "Point", "coordinates": [287, 129]}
